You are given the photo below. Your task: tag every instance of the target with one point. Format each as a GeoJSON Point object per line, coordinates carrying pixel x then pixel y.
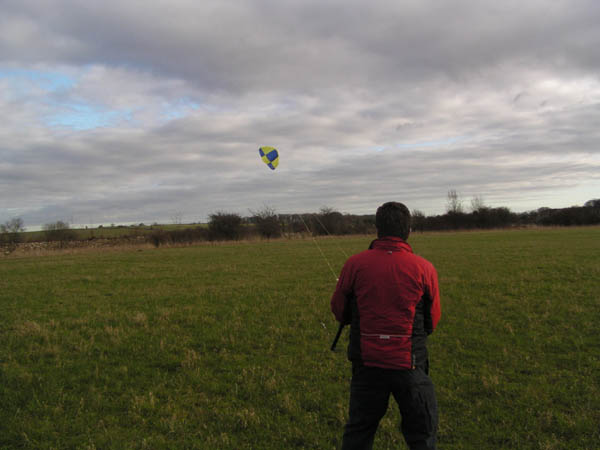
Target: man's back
{"type": "Point", "coordinates": [394, 298]}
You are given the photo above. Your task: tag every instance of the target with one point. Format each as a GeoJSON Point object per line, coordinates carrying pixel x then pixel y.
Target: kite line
{"type": "Point", "coordinates": [317, 244]}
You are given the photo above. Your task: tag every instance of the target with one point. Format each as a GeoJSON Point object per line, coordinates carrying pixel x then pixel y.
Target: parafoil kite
{"type": "Point", "coordinates": [270, 156]}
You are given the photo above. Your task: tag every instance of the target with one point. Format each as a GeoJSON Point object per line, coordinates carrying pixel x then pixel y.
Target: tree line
{"type": "Point", "coordinates": [481, 216]}
{"type": "Point", "coordinates": [266, 223]}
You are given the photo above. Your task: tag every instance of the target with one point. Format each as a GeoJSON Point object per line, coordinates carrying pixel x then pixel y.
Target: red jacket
{"type": "Point", "coordinates": [394, 301]}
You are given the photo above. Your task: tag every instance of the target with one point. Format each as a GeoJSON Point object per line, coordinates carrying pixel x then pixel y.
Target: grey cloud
{"type": "Point", "coordinates": [307, 45]}
{"type": "Point", "coordinates": [365, 102]}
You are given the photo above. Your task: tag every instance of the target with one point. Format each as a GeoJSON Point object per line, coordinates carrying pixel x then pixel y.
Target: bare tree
{"type": "Point", "coordinates": [454, 203]}
{"type": "Point", "coordinates": [177, 218]}
{"type": "Point", "coordinates": [477, 203]}
{"type": "Point", "coordinates": [10, 234]}
{"type": "Point", "coordinates": [14, 225]}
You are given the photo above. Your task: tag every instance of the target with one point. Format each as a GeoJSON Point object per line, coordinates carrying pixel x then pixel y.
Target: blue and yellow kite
{"type": "Point", "coordinates": [270, 156]}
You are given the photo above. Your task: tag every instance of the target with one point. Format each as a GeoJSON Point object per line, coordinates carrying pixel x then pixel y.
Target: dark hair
{"type": "Point", "coordinates": [393, 219]}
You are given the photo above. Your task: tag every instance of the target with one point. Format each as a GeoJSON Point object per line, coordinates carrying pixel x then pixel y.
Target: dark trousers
{"type": "Point", "coordinates": [370, 391]}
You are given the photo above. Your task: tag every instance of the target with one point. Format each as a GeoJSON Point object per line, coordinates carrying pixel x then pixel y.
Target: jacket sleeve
{"type": "Point", "coordinates": [340, 304]}
{"type": "Point", "coordinates": [433, 307]}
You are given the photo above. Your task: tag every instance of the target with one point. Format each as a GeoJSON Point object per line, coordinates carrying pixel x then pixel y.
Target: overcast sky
{"type": "Point", "coordinates": [126, 111]}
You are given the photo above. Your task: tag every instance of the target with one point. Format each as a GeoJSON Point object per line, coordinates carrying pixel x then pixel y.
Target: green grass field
{"type": "Point", "coordinates": [227, 346]}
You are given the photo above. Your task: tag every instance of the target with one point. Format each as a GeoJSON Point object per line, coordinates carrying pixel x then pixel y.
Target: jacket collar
{"type": "Point", "coordinates": [390, 243]}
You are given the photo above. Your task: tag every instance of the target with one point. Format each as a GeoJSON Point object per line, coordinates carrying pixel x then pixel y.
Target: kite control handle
{"type": "Point", "coordinates": [337, 336]}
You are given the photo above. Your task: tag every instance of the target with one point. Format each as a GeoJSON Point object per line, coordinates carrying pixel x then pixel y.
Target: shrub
{"type": "Point", "coordinates": [158, 238]}
{"type": "Point", "coordinates": [267, 223]}
{"type": "Point", "coordinates": [225, 226]}
{"type": "Point", "coordinates": [59, 231]}
{"type": "Point", "coordinates": [329, 221]}
{"type": "Point", "coordinates": [183, 236]}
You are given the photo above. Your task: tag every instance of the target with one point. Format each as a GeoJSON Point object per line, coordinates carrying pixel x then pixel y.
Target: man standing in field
{"type": "Point", "coordinates": [390, 296]}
